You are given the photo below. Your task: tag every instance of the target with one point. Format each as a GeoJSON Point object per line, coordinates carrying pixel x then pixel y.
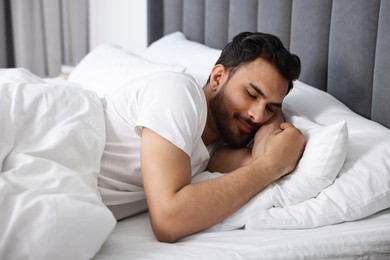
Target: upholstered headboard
{"type": "Point", "coordinates": [344, 45]}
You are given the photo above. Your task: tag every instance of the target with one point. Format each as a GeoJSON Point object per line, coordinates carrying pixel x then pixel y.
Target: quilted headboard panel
{"type": "Point", "coordinates": [344, 45]}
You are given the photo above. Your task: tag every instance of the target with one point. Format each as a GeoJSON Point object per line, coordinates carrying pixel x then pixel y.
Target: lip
{"type": "Point", "coordinates": [247, 128]}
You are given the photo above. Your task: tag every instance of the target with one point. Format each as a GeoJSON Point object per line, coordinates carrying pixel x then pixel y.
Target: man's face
{"type": "Point", "coordinates": [247, 100]}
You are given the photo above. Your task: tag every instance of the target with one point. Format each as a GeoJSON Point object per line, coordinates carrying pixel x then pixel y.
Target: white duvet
{"type": "Point", "coordinates": [51, 140]}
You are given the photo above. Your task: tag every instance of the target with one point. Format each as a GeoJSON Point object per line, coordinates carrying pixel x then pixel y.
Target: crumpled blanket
{"type": "Point", "coordinates": [52, 137]}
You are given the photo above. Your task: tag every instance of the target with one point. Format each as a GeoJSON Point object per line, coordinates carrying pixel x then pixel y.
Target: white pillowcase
{"type": "Point", "coordinates": [324, 155]}
{"type": "Point", "coordinates": [362, 187]}
{"type": "Point", "coordinates": [108, 67]}
{"type": "Point", "coordinates": [176, 49]}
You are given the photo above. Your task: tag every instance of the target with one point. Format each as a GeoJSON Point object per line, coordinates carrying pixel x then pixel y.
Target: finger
{"type": "Point", "coordinates": [277, 131]}
{"type": "Point", "coordinates": [286, 125]}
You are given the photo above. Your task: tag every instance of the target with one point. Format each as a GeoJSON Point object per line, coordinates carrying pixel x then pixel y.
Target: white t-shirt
{"type": "Point", "coordinates": [172, 105]}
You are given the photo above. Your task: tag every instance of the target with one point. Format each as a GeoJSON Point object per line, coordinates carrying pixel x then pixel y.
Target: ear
{"type": "Point", "coordinates": [218, 77]}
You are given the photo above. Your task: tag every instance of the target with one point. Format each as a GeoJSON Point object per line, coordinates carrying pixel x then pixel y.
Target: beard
{"type": "Point", "coordinates": [224, 121]}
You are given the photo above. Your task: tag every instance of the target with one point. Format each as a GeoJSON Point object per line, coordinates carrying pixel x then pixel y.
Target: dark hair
{"type": "Point", "coordinates": [248, 46]}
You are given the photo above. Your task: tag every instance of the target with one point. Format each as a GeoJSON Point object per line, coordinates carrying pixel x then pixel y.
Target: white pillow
{"type": "Point", "coordinates": [108, 67]}
{"type": "Point", "coordinates": [176, 49]}
{"type": "Point", "coordinates": [362, 187]}
{"type": "Point", "coordinates": [324, 155]}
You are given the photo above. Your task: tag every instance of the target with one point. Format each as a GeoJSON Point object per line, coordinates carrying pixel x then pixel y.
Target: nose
{"type": "Point", "coordinates": [257, 113]}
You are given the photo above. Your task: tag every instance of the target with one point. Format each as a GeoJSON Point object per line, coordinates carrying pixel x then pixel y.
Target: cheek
{"type": "Point", "coordinates": [238, 103]}
{"type": "Point", "coordinates": [268, 117]}
{"type": "Point", "coordinates": [233, 102]}
{"type": "Point", "coordinates": [228, 104]}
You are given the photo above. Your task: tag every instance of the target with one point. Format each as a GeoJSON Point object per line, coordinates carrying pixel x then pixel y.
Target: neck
{"type": "Point", "coordinates": [209, 136]}
{"type": "Point", "coordinates": [210, 133]}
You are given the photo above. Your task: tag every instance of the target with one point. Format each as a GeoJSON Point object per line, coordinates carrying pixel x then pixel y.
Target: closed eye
{"type": "Point", "coordinates": [270, 109]}
{"type": "Point", "coordinates": [250, 95]}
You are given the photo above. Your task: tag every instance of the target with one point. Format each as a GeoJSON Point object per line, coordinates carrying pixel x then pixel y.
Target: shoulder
{"type": "Point", "coordinates": [171, 75]}
{"type": "Point", "coordinates": [173, 87]}
{"type": "Point", "coordinates": [173, 106]}
{"type": "Point", "coordinates": [170, 79]}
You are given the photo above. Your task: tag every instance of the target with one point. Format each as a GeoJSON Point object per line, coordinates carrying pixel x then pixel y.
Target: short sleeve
{"type": "Point", "coordinates": [173, 106]}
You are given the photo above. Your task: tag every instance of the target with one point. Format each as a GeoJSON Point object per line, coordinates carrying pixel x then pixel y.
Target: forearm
{"type": "Point", "coordinates": [178, 208]}
{"type": "Point", "coordinates": [200, 205]}
{"type": "Point", "coordinates": [226, 159]}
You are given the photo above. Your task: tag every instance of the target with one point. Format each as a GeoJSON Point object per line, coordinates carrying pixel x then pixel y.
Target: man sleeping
{"type": "Point", "coordinates": [161, 130]}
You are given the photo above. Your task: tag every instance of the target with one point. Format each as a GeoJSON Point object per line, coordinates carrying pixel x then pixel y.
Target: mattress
{"type": "Point", "coordinates": [368, 238]}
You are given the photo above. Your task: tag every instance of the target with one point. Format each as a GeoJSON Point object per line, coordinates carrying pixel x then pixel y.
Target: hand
{"type": "Point", "coordinates": [284, 148]}
{"type": "Point", "coordinates": [265, 130]}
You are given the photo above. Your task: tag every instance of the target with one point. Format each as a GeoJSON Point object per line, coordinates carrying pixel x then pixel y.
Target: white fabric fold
{"type": "Point", "coordinates": [51, 140]}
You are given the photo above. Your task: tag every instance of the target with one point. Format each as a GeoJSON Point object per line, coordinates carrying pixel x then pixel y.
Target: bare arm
{"type": "Point", "coordinates": [178, 208]}
{"type": "Point", "coordinates": [226, 159]}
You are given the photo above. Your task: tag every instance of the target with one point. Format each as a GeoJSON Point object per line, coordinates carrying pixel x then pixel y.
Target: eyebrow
{"type": "Point", "coordinates": [261, 93]}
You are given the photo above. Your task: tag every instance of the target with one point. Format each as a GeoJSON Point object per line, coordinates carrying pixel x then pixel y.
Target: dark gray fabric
{"type": "Point", "coordinates": [173, 16]}
{"type": "Point", "coordinates": [343, 44]}
{"type": "Point", "coordinates": [216, 19]}
{"type": "Point", "coordinates": [381, 90]}
{"type": "Point", "coordinates": [310, 25]}
{"type": "Point", "coordinates": [194, 20]}
{"type": "Point", "coordinates": [274, 16]}
{"type": "Point", "coordinates": [352, 52]}
{"type": "Point", "coordinates": [155, 26]}
{"type": "Point", "coordinates": [242, 17]}
{"type": "Point", "coordinates": [3, 43]}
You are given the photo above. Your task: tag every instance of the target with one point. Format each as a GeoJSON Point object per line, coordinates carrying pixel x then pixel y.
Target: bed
{"type": "Point", "coordinates": [339, 208]}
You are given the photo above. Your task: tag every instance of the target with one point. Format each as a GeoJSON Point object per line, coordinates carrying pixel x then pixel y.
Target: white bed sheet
{"type": "Point", "coordinates": [368, 238]}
